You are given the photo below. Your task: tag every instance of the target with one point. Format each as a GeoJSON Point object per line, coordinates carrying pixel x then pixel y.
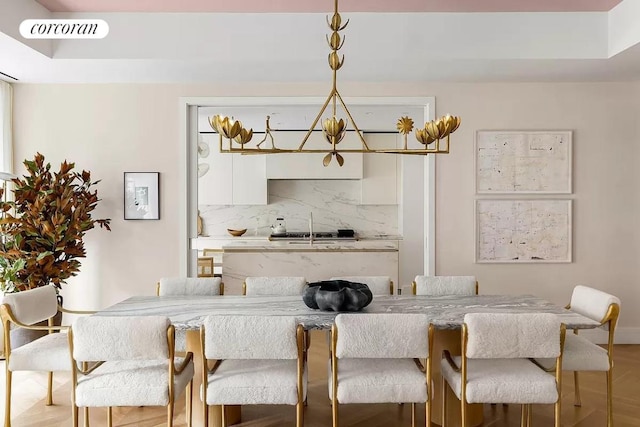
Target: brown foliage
{"type": "Point", "coordinates": [45, 223]}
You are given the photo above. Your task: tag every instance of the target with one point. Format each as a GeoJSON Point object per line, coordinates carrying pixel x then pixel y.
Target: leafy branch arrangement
{"type": "Point", "coordinates": [43, 227]}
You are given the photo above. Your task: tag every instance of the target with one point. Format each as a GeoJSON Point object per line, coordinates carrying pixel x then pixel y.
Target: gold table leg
{"type": "Point", "coordinates": [449, 340]}
{"type": "Point", "coordinates": [215, 412]}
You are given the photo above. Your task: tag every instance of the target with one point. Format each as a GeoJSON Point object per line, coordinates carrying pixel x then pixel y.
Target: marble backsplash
{"type": "Point", "coordinates": [334, 203]}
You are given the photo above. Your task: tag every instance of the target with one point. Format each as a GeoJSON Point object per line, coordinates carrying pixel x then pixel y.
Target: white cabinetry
{"type": "Point", "coordinates": [381, 171]}
{"type": "Point", "coordinates": [231, 179]}
{"type": "Point", "coordinates": [309, 165]}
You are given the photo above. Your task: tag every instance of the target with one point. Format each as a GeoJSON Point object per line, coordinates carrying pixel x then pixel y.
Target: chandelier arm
{"type": "Point", "coordinates": [315, 122]}
{"type": "Point", "coordinates": [353, 122]}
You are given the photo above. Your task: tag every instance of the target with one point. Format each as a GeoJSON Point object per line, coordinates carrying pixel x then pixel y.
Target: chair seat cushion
{"type": "Point", "coordinates": [502, 381]}
{"type": "Point", "coordinates": [131, 383]}
{"type": "Point", "coordinates": [49, 353]}
{"type": "Point", "coordinates": [580, 354]}
{"type": "Point", "coordinates": [255, 381]}
{"type": "Point", "coordinates": [379, 381]}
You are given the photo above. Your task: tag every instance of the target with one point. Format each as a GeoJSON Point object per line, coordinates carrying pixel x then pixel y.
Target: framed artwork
{"type": "Point", "coordinates": [525, 162]}
{"type": "Point", "coordinates": [142, 195]}
{"type": "Point", "coordinates": [523, 231]}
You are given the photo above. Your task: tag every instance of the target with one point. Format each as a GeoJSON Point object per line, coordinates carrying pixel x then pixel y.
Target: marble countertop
{"type": "Point", "coordinates": [317, 246]}
{"type": "Point", "coordinates": [187, 312]}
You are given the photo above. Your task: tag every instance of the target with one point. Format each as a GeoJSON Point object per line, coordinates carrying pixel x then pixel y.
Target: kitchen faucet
{"type": "Point", "coordinates": [311, 228]}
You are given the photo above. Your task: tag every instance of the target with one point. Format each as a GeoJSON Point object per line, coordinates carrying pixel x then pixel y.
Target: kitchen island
{"type": "Point", "coordinates": [315, 261]}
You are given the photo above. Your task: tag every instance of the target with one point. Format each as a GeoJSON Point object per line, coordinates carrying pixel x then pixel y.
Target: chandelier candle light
{"type": "Point", "coordinates": [334, 128]}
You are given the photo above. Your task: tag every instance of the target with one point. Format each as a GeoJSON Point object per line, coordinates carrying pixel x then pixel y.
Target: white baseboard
{"type": "Point", "coordinates": [623, 335]}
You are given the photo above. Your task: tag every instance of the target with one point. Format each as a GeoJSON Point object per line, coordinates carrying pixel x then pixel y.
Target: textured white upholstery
{"type": "Point", "coordinates": [497, 335]}
{"type": "Point", "coordinates": [580, 354]}
{"type": "Point", "coordinates": [445, 285]}
{"type": "Point", "coordinates": [49, 353]}
{"type": "Point", "coordinates": [379, 381]}
{"type": "Point", "coordinates": [591, 302]}
{"type": "Point", "coordinates": [275, 285]}
{"type": "Point", "coordinates": [362, 335]}
{"type": "Point", "coordinates": [189, 286]}
{"type": "Point", "coordinates": [34, 305]}
{"type": "Point", "coordinates": [250, 382]}
{"type": "Point", "coordinates": [250, 337]}
{"type": "Point", "coordinates": [120, 338]}
{"type": "Point", "coordinates": [130, 383]}
{"type": "Point", "coordinates": [502, 380]}
{"type": "Point", "coordinates": [378, 285]}
{"type": "Point", "coordinates": [261, 359]}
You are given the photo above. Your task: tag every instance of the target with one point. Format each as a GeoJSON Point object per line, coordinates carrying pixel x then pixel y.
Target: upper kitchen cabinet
{"type": "Point", "coordinates": [309, 165]}
{"type": "Point", "coordinates": [229, 179]}
{"type": "Point", "coordinates": [381, 171]}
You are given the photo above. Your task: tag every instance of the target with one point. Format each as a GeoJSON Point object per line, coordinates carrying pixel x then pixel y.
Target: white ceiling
{"type": "Point", "coordinates": [222, 48]}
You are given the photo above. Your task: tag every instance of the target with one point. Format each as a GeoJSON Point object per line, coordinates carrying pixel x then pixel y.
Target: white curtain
{"type": "Point", "coordinates": [6, 127]}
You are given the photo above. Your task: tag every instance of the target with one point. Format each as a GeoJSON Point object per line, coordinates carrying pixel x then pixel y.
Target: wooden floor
{"type": "Point", "coordinates": [30, 388]}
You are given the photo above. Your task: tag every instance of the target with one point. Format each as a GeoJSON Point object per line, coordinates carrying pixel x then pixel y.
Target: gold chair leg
{"type": "Point", "coordinates": [205, 415]}
{"type": "Point", "coordinates": [85, 411]}
{"type": "Point", "coordinates": [189, 403]}
{"type": "Point", "coordinates": [300, 414]}
{"type": "Point", "coordinates": [413, 415]}
{"type": "Point", "coordinates": [427, 415]}
{"type": "Point", "coordinates": [523, 416]}
{"type": "Point", "coordinates": [109, 416]}
{"type": "Point", "coordinates": [577, 401]}
{"type": "Point", "coordinates": [224, 416]}
{"type": "Point", "coordinates": [444, 402]}
{"type": "Point", "coordinates": [170, 414]}
{"type": "Point", "coordinates": [7, 400]}
{"type": "Point", "coordinates": [74, 415]}
{"type": "Point", "coordinates": [334, 411]}
{"type": "Point", "coordinates": [529, 415]}
{"type": "Point", "coordinates": [49, 389]}
{"type": "Point", "coordinates": [463, 414]}
{"type": "Point", "coordinates": [609, 398]}
{"type": "Point", "coordinates": [557, 412]}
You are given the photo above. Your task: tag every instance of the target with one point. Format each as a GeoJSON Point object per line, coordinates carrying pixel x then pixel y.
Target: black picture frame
{"type": "Point", "coordinates": [142, 195]}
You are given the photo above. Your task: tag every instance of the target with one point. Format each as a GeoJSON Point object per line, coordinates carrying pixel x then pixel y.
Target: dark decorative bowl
{"type": "Point", "coordinates": [337, 295]}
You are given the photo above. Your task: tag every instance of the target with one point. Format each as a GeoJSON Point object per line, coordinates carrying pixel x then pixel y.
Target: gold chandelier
{"type": "Point", "coordinates": [334, 128]}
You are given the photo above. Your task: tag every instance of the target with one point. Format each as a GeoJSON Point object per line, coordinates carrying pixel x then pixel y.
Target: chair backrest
{"type": "Point", "coordinates": [592, 303]}
{"type": "Point", "coordinates": [274, 285]}
{"type": "Point", "coordinates": [250, 337]}
{"type": "Point", "coordinates": [190, 286]}
{"type": "Point", "coordinates": [104, 338]}
{"type": "Point", "coordinates": [512, 335]}
{"type": "Point", "coordinates": [33, 306]}
{"type": "Point", "coordinates": [382, 336]}
{"type": "Point", "coordinates": [445, 285]}
{"type": "Point", "coordinates": [378, 285]}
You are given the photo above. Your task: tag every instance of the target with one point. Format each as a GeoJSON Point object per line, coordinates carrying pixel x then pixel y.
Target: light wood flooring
{"type": "Point", "coordinates": [29, 410]}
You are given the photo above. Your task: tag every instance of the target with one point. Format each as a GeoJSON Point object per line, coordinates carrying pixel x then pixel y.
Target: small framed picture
{"type": "Point", "coordinates": [142, 195]}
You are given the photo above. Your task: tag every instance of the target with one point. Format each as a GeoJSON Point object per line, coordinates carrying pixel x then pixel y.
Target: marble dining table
{"type": "Point", "coordinates": [445, 312]}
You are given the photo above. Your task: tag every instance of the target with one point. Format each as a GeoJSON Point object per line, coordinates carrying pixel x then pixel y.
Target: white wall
{"type": "Point", "coordinates": [109, 129]}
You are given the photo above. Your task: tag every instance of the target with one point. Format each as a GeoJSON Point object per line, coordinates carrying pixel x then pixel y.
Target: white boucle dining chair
{"type": "Point", "coordinates": [257, 360]}
{"type": "Point", "coordinates": [185, 286]}
{"type": "Point", "coordinates": [175, 286]}
{"type": "Point", "coordinates": [444, 285]}
{"type": "Point", "coordinates": [495, 365]}
{"type": "Point", "coordinates": [375, 359]}
{"type": "Point", "coordinates": [49, 353]}
{"type": "Point", "coordinates": [378, 285]}
{"type": "Point", "coordinates": [289, 286]}
{"type": "Point", "coordinates": [581, 354]}
{"type": "Point", "coordinates": [127, 361]}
